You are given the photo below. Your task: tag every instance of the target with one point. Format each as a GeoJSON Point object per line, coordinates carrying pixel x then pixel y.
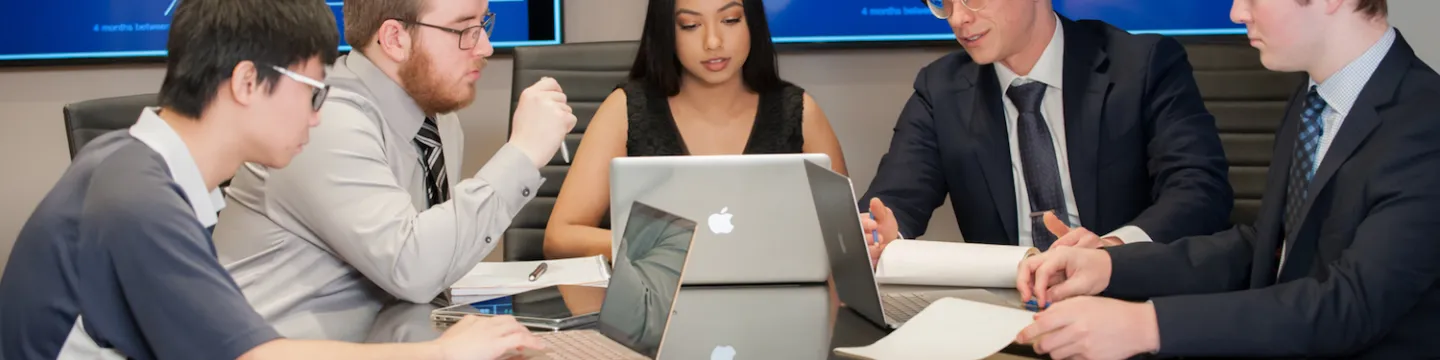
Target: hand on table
{"type": "Point", "coordinates": [1077, 237]}
{"type": "Point", "coordinates": [1093, 328]}
{"type": "Point", "coordinates": [486, 338]}
{"type": "Point", "coordinates": [884, 221]}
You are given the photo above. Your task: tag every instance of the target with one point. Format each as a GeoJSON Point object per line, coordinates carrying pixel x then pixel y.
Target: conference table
{"type": "Point", "coordinates": [410, 322]}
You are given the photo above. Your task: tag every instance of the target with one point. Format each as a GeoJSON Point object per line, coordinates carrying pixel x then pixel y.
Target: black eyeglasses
{"type": "Point", "coordinates": [468, 36]}
{"type": "Point", "coordinates": [317, 95]}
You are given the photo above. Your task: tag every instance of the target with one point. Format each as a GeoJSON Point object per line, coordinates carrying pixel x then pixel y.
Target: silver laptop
{"type": "Point", "coordinates": [640, 298]}
{"type": "Point", "coordinates": [835, 205]}
{"type": "Point", "coordinates": [712, 322]}
{"type": "Point", "coordinates": [755, 218]}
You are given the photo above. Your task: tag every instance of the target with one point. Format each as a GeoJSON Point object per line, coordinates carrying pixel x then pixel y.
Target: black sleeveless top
{"type": "Point", "coordinates": [653, 131]}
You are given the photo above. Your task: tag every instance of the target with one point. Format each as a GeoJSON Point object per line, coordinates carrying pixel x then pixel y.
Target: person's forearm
{"type": "Point", "coordinates": [567, 241]}
{"type": "Point", "coordinates": [316, 349]}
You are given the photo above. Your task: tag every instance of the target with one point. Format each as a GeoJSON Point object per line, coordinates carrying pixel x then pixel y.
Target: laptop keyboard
{"type": "Point", "coordinates": [900, 307]}
{"type": "Point", "coordinates": [583, 345]}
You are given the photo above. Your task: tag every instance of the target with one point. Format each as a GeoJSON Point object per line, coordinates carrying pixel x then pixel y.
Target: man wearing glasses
{"type": "Point", "coordinates": [376, 208]}
{"type": "Point", "coordinates": [1042, 115]}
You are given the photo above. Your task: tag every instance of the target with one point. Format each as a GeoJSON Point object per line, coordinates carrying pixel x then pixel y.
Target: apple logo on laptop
{"type": "Point", "coordinates": [720, 223]}
{"type": "Point", "coordinates": [723, 352]}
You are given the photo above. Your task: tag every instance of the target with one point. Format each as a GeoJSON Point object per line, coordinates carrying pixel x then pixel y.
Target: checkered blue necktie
{"type": "Point", "coordinates": [1037, 161]}
{"type": "Point", "coordinates": [432, 159]}
{"type": "Point", "coordinates": [1302, 166]}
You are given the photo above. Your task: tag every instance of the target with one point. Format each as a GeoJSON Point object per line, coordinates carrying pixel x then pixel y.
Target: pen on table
{"type": "Point", "coordinates": [875, 234]}
{"type": "Point", "coordinates": [539, 270]}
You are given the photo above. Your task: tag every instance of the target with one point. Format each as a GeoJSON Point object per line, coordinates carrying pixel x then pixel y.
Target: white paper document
{"type": "Point", "coordinates": [511, 277]}
{"type": "Point", "coordinates": [939, 263]}
{"type": "Point", "coordinates": [949, 328]}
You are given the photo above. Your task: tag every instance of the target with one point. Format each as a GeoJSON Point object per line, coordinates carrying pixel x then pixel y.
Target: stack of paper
{"type": "Point", "coordinates": [937, 263]}
{"type": "Point", "coordinates": [490, 279]}
{"type": "Point", "coordinates": [949, 328]}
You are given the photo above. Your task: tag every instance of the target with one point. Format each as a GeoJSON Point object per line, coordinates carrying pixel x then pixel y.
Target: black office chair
{"type": "Point", "coordinates": [87, 120]}
{"type": "Point", "coordinates": [588, 72]}
{"type": "Point", "coordinates": [1248, 102]}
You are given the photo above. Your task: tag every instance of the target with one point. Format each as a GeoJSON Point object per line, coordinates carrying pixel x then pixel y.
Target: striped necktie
{"type": "Point", "coordinates": [432, 159]}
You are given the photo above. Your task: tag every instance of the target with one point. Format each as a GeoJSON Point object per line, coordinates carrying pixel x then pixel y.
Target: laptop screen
{"type": "Point", "coordinates": [850, 266]}
{"type": "Point", "coordinates": [646, 278]}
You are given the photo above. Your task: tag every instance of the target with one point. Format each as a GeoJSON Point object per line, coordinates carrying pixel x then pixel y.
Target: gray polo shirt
{"type": "Point", "coordinates": [320, 246]}
{"type": "Point", "coordinates": [116, 262]}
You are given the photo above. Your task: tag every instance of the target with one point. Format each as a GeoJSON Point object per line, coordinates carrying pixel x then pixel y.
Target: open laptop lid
{"type": "Point", "coordinates": [835, 206]}
{"type": "Point", "coordinates": [741, 203]}
{"type": "Point", "coordinates": [646, 278]}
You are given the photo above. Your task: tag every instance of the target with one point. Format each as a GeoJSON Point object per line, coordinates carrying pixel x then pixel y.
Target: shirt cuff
{"type": "Point", "coordinates": [512, 174]}
{"type": "Point", "coordinates": [1157, 328]}
{"type": "Point", "coordinates": [1130, 234]}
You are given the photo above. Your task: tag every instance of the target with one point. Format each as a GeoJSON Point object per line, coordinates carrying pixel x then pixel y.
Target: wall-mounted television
{"type": "Point", "coordinates": [54, 32]}
{"type": "Point", "coordinates": [850, 21]}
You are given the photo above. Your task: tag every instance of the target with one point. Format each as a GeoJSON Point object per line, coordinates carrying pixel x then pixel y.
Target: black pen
{"type": "Point", "coordinates": [539, 270]}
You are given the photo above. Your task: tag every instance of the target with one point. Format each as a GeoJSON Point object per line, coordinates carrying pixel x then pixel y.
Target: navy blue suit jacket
{"type": "Point", "coordinates": [1362, 277]}
{"type": "Point", "coordinates": [1143, 150]}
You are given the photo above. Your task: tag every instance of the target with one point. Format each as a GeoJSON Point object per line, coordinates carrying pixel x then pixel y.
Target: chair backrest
{"type": "Point", "coordinates": [588, 72]}
{"type": "Point", "coordinates": [86, 120]}
{"type": "Point", "coordinates": [1248, 102]}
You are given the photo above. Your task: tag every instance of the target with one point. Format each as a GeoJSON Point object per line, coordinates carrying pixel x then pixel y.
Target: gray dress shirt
{"type": "Point", "coordinates": [320, 246]}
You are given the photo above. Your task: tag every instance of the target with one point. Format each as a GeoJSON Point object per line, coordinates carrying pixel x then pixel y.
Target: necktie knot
{"type": "Point", "coordinates": [1027, 97]}
{"type": "Point", "coordinates": [429, 135]}
{"type": "Point", "coordinates": [1314, 104]}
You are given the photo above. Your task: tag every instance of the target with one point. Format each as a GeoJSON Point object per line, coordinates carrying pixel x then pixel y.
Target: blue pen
{"type": "Point", "coordinates": [875, 234]}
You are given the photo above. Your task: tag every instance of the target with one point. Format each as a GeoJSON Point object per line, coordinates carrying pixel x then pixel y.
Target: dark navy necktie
{"type": "Point", "coordinates": [432, 159]}
{"type": "Point", "coordinates": [1037, 161]}
{"type": "Point", "coordinates": [1303, 162]}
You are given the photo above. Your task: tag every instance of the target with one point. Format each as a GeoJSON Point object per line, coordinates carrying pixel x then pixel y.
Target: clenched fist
{"type": "Point", "coordinates": [542, 118]}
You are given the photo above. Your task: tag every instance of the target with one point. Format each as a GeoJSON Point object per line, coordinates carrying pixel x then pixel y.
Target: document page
{"type": "Point", "coordinates": [503, 278]}
{"type": "Point", "coordinates": [950, 328]}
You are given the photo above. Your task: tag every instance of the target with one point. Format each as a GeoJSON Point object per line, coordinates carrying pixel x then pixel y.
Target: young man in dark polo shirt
{"type": "Point", "coordinates": [117, 262]}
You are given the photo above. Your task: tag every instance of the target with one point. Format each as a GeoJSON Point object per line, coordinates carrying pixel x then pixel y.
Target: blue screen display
{"type": "Point", "coordinates": [793, 21]}
{"type": "Point", "coordinates": [504, 305]}
{"type": "Point", "coordinates": [88, 29]}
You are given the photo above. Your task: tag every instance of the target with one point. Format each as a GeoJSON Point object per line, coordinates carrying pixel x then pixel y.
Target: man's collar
{"type": "Point", "coordinates": [1049, 69]}
{"type": "Point", "coordinates": [160, 137]}
{"type": "Point", "coordinates": [1342, 89]}
{"type": "Point", "coordinates": [400, 110]}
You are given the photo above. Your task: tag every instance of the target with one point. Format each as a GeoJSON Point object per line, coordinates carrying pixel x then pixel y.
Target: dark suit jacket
{"type": "Point", "coordinates": [1360, 277]}
{"type": "Point", "coordinates": [1142, 148]}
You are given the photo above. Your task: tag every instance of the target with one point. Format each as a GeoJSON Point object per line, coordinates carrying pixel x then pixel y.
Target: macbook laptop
{"type": "Point", "coordinates": [639, 301]}
{"type": "Point", "coordinates": [835, 205]}
{"type": "Point", "coordinates": [712, 322]}
{"type": "Point", "coordinates": [754, 211]}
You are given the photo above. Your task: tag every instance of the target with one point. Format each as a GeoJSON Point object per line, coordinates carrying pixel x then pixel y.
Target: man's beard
{"type": "Point", "coordinates": [418, 79]}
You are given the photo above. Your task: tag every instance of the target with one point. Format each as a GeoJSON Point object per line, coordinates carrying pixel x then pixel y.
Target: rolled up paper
{"type": "Point", "coordinates": [938, 263]}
